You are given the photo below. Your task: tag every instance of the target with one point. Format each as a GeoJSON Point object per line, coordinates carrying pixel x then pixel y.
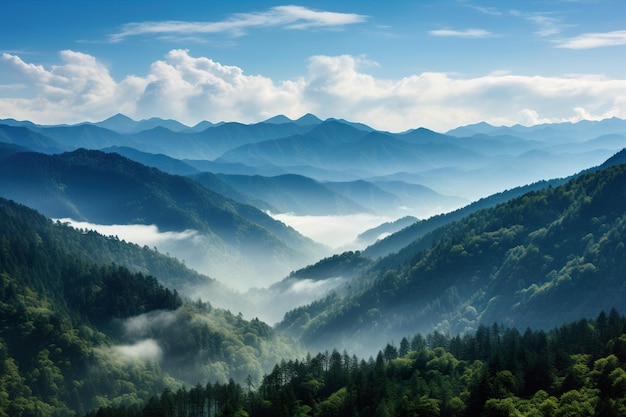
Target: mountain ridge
{"type": "Point", "coordinates": [110, 189]}
{"type": "Point", "coordinates": [503, 262]}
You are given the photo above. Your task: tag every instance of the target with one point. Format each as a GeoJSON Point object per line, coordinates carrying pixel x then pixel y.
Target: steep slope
{"type": "Point", "coordinates": [416, 230]}
{"type": "Point", "coordinates": [109, 189]}
{"type": "Point", "coordinates": [538, 260]}
{"type": "Point", "coordinates": [77, 334]}
{"type": "Point", "coordinates": [374, 234]}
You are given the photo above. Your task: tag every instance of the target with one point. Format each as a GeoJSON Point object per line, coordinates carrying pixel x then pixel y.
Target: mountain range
{"type": "Point", "coordinates": [523, 226]}
{"type": "Point", "coordinates": [536, 260]}
{"type": "Point", "coordinates": [106, 188]}
{"type": "Point", "coordinates": [462, 163]}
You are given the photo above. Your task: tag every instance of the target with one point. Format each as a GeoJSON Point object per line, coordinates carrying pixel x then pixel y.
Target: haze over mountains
{"type": "Point", "coordinates": [307, 172]}
{"type": "Point", "coordinates": [303, 167]}
{"type": "Point", "coordinates": [447, 232]}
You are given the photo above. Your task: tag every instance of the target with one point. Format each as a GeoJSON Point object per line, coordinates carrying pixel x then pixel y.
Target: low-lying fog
{"type": "Point", "coordinates": [336, 232]}
{"type": "Point", "coordinates": [268, 304]}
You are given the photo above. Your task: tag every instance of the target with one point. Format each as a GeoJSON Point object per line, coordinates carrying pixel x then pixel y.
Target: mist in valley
{"type": "Point", "coordinates": [259, 293]}
{"type": "Point", "coordinates": [337, 232]}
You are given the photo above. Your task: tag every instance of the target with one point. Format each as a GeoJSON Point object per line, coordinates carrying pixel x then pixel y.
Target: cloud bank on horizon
{"type": "Point", "coordinates": [191, 86]}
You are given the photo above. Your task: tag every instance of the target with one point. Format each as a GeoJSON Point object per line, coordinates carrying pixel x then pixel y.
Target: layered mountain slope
{"type": "Point", "coordinates": [482, 162]}
{"type": "Point", "coordinates": [294, 194]}
{"type": "Point", "coordinates": [416, 230]}
{"type": "Point", "coordinates": [76, 333]}
{"type": "Point", "coordinates": [110, 189]}
{"type": "Point", "coordinates": [538, 260]}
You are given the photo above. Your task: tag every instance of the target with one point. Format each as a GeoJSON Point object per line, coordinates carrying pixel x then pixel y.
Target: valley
{"type": "Point", "coordinates": [257, 267]}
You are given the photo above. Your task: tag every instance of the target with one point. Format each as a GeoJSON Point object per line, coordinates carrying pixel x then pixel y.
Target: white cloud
{"type": "Point", "coordinates": [289, 17]}
{"type": "Point", "coordinates": [80, 88]}
{"type": "Point", "coordinates": [191, 89]}
{"type": "Point", "coordinates": [468, 33]}
{"type": "Point", "coordinates": [594, 40]}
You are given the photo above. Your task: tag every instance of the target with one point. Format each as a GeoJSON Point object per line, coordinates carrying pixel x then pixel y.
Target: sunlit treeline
{"type": "Point", "coordinates": [577, 369]}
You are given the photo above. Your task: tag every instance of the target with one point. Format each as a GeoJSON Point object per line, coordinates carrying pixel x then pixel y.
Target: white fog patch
{"type": "Point", "coordinates": [204, 253]}
{"type": "Point", "coordinates": [140, 234]}
{"type": "Point", "coordinates": [271, 304]}
{"type": "Point", "coordinates": [333, 231]}
{"type": "Point", "coordinates": [135, 327]}
{"type": "Point", "coordinates": [311, 287]}
{"type": "Point", "coordinates": [147, 349]}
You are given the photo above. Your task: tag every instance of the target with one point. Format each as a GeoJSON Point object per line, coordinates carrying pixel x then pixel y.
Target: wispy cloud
{"type": "Point", "coordinates": [547, 24]}
{"type": "Point", "coordinates": [492, 11]}
{"type": "Point", "coordinates": [594, 40]}
{"type": "Point", "coordinates": [288, 17]}
{"type": "Point", "coordinates": [468, 33]}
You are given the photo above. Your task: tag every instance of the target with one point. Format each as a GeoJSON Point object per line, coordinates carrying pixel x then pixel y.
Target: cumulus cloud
{"type": "Point", "coordinates": [594, 40]}
{"type": "Point", "coordinates": [79, 88]}
{"type": "Point", "coordinates": [288, 17]}
{"type": "Point", "coordinates": [191, 89]}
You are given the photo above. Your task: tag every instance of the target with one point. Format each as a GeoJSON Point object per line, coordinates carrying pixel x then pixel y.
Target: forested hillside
{"type": "Point", "coordinates": [106, 188]}
{"type": "Point", "coordinates": [576, 369]}
{"type": "Point", "coordinates": [78, 331]}
{"type": "Point", "coordinates": [539, 260]}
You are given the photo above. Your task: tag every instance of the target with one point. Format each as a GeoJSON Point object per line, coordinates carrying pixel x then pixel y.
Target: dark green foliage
{"type": "Point", "coordinates": [78, 332]}
{"type": "Point", "coordinates": [543, 258]}
{"type": "Point", "coordinates": [496, 371]}
{"type": "Point", "coordinates": [90, 246]}
{"type": "Point", "coordinates": [346, 264]}
{"type": "Point", "coordinates": [418, 229]}
{"type": "Point", "coordinates": [106, 188]}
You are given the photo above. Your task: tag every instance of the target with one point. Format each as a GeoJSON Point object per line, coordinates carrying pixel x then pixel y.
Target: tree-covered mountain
{"type": "Point", "coordinates": [544, 258]}
{"type": "Point", "coordinates": [381, 231]}
{"type": "Point", "coordinates": [417, 229]}
{"type": "Point", "coordinates": [78, 333]}
{"type": "Point", "coordinates": [576, 369]}
{"type": "Point", "coordinates": [106, 188]}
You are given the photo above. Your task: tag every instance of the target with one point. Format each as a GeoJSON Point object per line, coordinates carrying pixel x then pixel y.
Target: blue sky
{"type": "Point", "coordinates": [394, 65]}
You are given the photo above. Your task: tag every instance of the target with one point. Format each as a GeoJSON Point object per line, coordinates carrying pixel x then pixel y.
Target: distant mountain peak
{"type": "Point", "coordinates": [308, 119]}
{"type": "Point", "coordinates": [118, 117]}
{"type": "Point", "coordinates": [278, 120]}
{"type": "Point", "coordinates": [118, 122]}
